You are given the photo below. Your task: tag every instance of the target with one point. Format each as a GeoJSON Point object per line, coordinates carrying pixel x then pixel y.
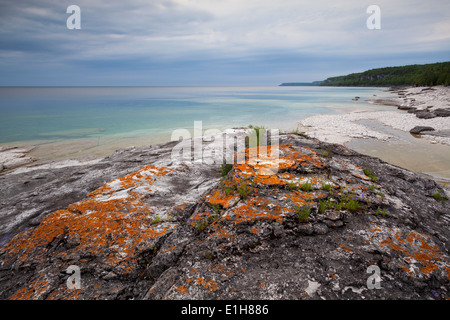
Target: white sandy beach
{"type": "Point", "coordinates": [343, 128]}
{"type": "Point", "coordinates": [385, 134]}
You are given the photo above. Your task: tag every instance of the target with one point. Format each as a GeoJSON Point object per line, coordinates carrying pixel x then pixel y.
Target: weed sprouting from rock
{"type": "Point", "coordinates": [382, 212]}
{"type": "Point", "coordinates": [236, 184]}
{"type": "Point", "coordinates": [292, 186]}
{"type": "Point", "coordinates": [244, 189]}
{"type": "Point", "coordinates": [307, 186]}
{"type": "Point", "coordinates": [322, 206]}
{"type": "Point", "coordinates": [227, 186]}
{"type": "Point", "coordinates": [324, 153]}
{"type": "Point", "coordinates": [370, 175]}
{"type": "Point", "coordinates": [224, 169]}
{"type": "Point", "coordinates": [326, 187]}
{"type": "Point", "coordinates": [303, 213]}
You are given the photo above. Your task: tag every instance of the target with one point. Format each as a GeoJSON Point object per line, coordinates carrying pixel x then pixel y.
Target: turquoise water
{"type": "Point", "coordinates": [55, 113]}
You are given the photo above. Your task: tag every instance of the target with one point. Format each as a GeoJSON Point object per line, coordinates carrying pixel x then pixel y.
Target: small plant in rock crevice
{"type": "Point", "coordinates": [382, 212]}
{"type": "Point", "coordinates": [242, 186]}
{"type": "Point", "coordinates": [440, 195]}
{"type": "Point", "coordinates": [322, 206]}
{"type": "Point", "coordinates": [292, 186]}
{"type": "Point", "coordinates": [244, 189]}
{"type": "Point", "coordinates": [324, 153]}
{"type": "Point", "coordinates": [343, 201]}
{"type": "Point", "coordinates": [303, 213]}
{"type": "Point", "coordinates": [370, 175]}
{"type": "Point", "coordinates": [307, 186]}
{"type": "Point", "coordinates": [227, 186]}
{"type": "Point", "coordinates": [208, 218]}
{"type": "Point", "coordinates": [224, 169]}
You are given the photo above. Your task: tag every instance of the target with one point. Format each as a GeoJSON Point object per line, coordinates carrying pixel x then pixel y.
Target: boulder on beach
{"type": "Point", "coordinates": [405, 108]}
{"type": "Point", "coordinates": [424, 114]}
{"type": "Point", "coordinates": [441, 112]}
{"type": "Point", "coordinates": [420, 129]}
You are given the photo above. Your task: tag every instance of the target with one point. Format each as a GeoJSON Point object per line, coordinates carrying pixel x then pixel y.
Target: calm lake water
{"type": "Point", "coordinates": [61, 113]}
{"type": "Point", "coordinates": [93, 122]}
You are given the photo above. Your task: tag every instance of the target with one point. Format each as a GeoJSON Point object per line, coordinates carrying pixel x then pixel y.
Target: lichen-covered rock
{"type": "Point", "coordinates": [310, 223]}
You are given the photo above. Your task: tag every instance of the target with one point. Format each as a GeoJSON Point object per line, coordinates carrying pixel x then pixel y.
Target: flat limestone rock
{"type": "Point", "coordinates": [424, 114]}
{"type": "Point", "coordinates": [442, 112]}
{"type": "Point", "coordinates": [310, 221]}
{"type": "Point", "coordinates": [420, 129]}
{"type": "Point", "coordinates": [12, 157]}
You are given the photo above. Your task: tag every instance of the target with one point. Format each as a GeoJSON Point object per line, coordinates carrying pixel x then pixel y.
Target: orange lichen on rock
{"type": "Point", "coordinates": [271, 168]}
{"type": "Point", "coordinates": [269, 180]}
{"type": "Point", "coordinates": [255, 208]}
{"type": "Point", "coordinates": [255, 230]}
{"type": "Point", "coordinates": [305, 156]}
{"type": "Point", "coordinates": [224, 200]}
{"type": "Point", "coordinates": [198, 217]}
{"type": "Point", "coordinates": [218, 231]}
{"type": "Point", "coordinates": [144, 176]}
{"type": "Point", "coordinates": [418, 250]}
{"type": "Point", "coordinates": [182, 289]}
{"type": "Point", "coordinates": [211, 286]}
{"type": "Point", "coordinates": [300, 198]}
{"type": "Point", "coordinates": [116, 228]}
{"type": "Point", "coordinates": [244, 170]}
{"type": "Point", "coordinates": [348, 250]}
{"type": "Point", "coordinates": [33, 291]}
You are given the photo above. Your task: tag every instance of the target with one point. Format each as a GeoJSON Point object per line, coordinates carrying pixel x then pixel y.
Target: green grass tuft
{"type": "Point", "coordinates": [370, 175]}
{"type": "Point", "coordinates": [292, 186]}
{"type": "Point", "coordinates": [324, 153]}
{"type": "Point", "coordinates": [224, 169]}
{"type": "Point", "coordinates": [322, 206]}
{"type": "Point", "coordinates": [244, 189]}
{"type": "Point", "coordinates": [307, 186]}
{"type": "Point", "coordinates": [303, 213]}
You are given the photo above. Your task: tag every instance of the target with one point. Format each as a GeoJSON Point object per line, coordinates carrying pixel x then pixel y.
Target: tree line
{"type": "Point", "coordinates": [411, 75]}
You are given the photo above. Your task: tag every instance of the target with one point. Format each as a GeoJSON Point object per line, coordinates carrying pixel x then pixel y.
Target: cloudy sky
{"type": "Point", "coordinates": [213, 42]}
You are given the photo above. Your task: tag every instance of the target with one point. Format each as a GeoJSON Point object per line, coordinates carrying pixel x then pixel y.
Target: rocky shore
{"type": "Point", "coordinates": [420, 107]}
{"type": "Point", "coordinates": [319, 221]}
{"type": "Point", "coordinates": [13, 157]}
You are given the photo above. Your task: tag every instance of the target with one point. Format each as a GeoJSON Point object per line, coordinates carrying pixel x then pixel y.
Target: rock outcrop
{"type": "Point", "coordinates": [418, 100]}
{"type": "Point", "coordinates": [318, 221]}
{"type": "Point", "coordinates": [420, 129]}
{"type": "Point", "coordinates": [11, 157]}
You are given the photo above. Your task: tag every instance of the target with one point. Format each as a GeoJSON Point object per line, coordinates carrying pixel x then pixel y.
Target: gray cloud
{"type": "Point", "coordinates": [263, 33]}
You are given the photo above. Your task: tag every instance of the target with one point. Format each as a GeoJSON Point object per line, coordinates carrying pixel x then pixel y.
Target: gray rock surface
{"type": "Point", "coordinates": [437, 98]}
{"type": "Point", "coordinates": [27, 197]}
{"type": "Point", "coordinates": [170, 229]}
{"type": "Point", "coordinates": [442, 112]}
{"type": "Point", "coordinates": [420, 129]}
{"type": "Point", "coordinates": [425, 114]}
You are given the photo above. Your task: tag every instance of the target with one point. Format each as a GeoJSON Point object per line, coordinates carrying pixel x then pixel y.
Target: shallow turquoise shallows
{"type": "Point", "coordinates": [48, 113]}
